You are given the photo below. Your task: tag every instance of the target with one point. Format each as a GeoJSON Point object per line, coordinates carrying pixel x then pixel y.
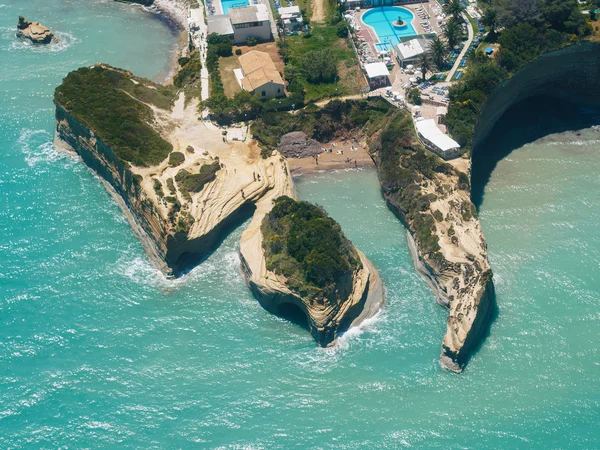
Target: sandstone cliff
{"type": "Point", "coordinates": [431, 198]}
{"type": "Point", "coordinates": [183, 185]}
{"type": "Point", "coordinates": [326, 318]}
{"type": "Point", "coordinates": [34, 31]}
{"type": "Point", "coordinates": [570, 73]}
{"type": "Point", "coordinates": [182, 205]}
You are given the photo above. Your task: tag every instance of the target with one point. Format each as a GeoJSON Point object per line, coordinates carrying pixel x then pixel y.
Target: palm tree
{"type": "Point", "coordinates": [490, 19]}
{"type": "Point", "coordinates": [437, 52]}
{"type": "Point", "coordinates": [425, 65]}
{"type": "Point", "coordinates": [452, 32]}
{"type": "Point", "coordinates": [454, 8]}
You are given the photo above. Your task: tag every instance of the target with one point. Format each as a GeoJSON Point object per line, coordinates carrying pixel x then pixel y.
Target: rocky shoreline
{"type": "Point", "coordinates": [180, 224]}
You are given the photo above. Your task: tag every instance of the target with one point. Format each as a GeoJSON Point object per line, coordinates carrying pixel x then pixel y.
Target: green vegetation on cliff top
{"type": "Point", "coordinates": [113, 104]}
{"type": "Point", "coordinates": [530, 28]}
{"type": "Point", "coordinates": [403, 164]}
{"type": "Point", "coordinates": [302, 243]}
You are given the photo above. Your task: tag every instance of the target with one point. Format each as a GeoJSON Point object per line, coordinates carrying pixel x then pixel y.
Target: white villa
{"type": "Point", "coordinates": [258, 74]}
{"type": "Point", "coordinates": [242, 23]}
{"type": "Point", "coordinates": [435, 139]}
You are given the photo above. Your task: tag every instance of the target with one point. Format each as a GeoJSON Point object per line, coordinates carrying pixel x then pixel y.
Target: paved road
{"type": "Point", "coordinates": [465, 49]}
{"type": "Point", "coordinates": [199, 39]}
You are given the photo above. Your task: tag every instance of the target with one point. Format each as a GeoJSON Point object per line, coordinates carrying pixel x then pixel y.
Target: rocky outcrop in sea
{"type": "Point", "coordinates": [34, 31]}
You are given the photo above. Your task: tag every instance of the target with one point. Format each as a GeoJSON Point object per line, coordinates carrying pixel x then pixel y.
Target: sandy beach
{"type": "Point", "coordinates": [344, 155]}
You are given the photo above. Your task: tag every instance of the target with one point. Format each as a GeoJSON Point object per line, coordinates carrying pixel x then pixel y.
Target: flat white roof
{"type": "Point", "coordinates": [377, 69]}
{"type": "Point", "coordinates": [289, 10]}
{"type": "Point", "coordinates": [429, 130]}
{"type": "Point", "coordinates": [246, 14]}
{"type": "Point", "coordinates": [220, 24]}
{"type": "Point", "coordinates": [412, 48]}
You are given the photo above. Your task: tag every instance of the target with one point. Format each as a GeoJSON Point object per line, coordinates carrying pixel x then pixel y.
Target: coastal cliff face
{"type": "Point", "coordinates": [432, 199]}
{"type": "Point", "coordinates": [360, 291]}
{"type": "Point", "coordinates": [182, 204]}
{"type": "Point", "coordinates": [569, 73]}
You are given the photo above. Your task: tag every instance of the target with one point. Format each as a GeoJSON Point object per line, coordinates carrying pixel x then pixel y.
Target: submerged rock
{"type": "Point", "coordinates": [34, 31]}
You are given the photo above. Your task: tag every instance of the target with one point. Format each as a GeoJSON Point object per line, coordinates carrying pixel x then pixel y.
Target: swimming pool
{"type": "Point", "coordinates": [382, 21]}
{"type": "Point", "coordinates": [226, 4]}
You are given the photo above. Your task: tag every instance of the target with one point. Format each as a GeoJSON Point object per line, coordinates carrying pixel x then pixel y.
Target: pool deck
{"type": "Point", "coordinates": [371, 37]}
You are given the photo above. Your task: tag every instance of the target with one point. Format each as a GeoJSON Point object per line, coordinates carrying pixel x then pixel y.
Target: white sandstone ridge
{"type": "Point", "coordinates": [462, 279]}
{"type": "Point", "coordinates": [326, 319]}
{"type": "Point", "coordinates": [34, 31]}
{"type": "Point", "coordinates": [181, 207]}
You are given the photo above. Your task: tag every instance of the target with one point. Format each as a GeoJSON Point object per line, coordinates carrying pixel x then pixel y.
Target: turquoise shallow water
{"type": "Point", "coordinates": [98, 350]}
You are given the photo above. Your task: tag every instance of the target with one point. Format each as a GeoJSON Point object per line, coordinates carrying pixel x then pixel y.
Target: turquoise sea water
{"type": "Point", "coordinates": [99, 350]}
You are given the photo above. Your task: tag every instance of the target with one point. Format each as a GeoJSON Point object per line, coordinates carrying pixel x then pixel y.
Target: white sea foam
{"type": "Point", "coordinates": [65, 40]}
{"type": "Point", "coordinates": [37, 146]}
{"type": "Point", "coordinates": [345, 341]}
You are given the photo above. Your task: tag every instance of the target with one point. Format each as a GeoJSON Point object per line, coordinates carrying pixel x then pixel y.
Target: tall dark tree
{"type": "Point", "coordinates": [452, 32]}
{"type": "Point", "coordinates": [491, 19]}
{"type": "Point", "coordinates": [455, 8]}
{"type": "Point", "coordinates": [437, 52]}
{"type": "Point", "coordinates": [425, 62]}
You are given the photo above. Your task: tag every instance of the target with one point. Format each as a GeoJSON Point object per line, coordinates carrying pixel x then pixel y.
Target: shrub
{"type": "Point", "coordinates": [176, 158]}
{"type": "Point", "coordinates": [319, 66]}
{"type": "Point", "coordinates": [189, 72]}
{"type": "Point", "coordinates": [238, 51]}
{"type": "Point", "coordinates": [305, 245]}
{"type": "Point", "coordinates": [342, 29]}
{"type": "Point", "coordinates": [105, 100]}
{"type": "Point", "coordinates": [251, 41]}
{"type": "Point", "coordinates": [414, 96]}
{"type": "Point", "coordinates": [158, 188]}
{"type": "Point", "coordinates": [194, 182]}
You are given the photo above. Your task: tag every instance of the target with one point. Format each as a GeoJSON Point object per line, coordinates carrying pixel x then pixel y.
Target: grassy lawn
{"type": "Point", "coordinates": [351, 79]}
{"type": "Point", "coordinates": [230, 84]}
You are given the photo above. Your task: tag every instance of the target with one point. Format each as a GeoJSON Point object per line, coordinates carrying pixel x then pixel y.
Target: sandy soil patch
{"type": "Point", "coordinates": [338, 155]}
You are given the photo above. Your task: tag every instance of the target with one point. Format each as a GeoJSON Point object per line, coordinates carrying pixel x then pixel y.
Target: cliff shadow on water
{"type": "Point", "coordinates": [198, 250]}
{"type": "Point", "coordinates": [524, 123]}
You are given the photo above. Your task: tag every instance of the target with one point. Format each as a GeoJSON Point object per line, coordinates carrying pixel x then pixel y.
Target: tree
{"type": "Point", "coordinates": [342, 29]}
{"type": "Point", "coordinates": [437, 52]}
{"type": "Point", "coordinates": [454, 8]}
{"type": "Point", "coordinates": [490, 19]}
{"type": "Point", "coordinates": [425, 65]}
{"type": "Point", "coordinates": [319, 66]}
{"type": "Point", "coordinates": [452, 32]}
{"type": "Point", "coordinates": [414, 96]}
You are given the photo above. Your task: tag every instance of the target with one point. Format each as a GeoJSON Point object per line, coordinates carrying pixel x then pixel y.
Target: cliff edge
{"type": "Point", "coordinates": [432, 199]}
{"type": "Point", "coordinates": [178, 181]}
{"type": "Point", "coordinates": [333, 294]}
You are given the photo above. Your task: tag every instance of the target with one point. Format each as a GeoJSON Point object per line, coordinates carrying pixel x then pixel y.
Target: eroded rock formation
{"type": "Point", "coordinates": [327, 317]}
{"type": "Point", "coordinates": [34, 31]}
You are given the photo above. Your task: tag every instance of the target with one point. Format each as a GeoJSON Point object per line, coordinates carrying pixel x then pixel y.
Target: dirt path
{"type": "Point", "coordinates": [318, 11]}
